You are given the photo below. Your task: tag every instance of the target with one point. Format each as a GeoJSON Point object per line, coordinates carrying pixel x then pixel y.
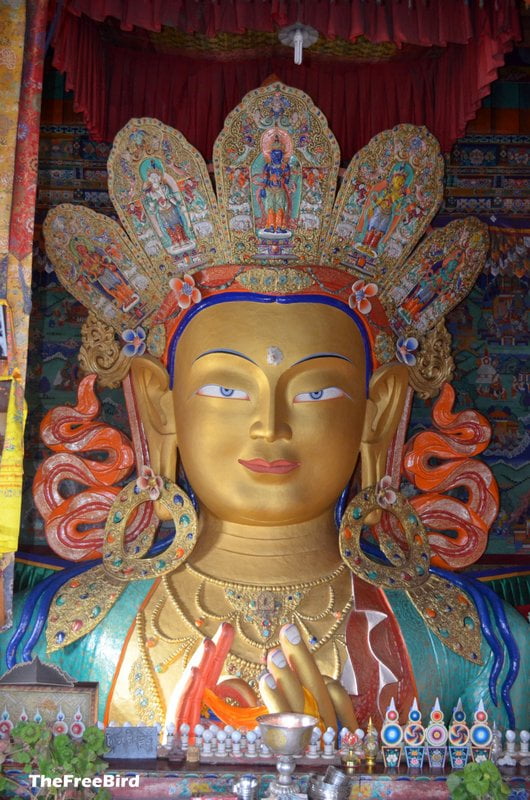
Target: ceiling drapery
{"type": "Point", "coordinates": [378, 63]}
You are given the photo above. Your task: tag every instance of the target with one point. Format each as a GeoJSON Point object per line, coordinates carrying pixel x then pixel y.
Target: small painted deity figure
{"type": "Point", "coordinates": [382, 210]}
{"type": "Point", "coordinates": [105, 275]}
{"type": "Point", "coordinates": [274, 191]}
{"type": "Point", "coordinates": [435, 275]}
{"type": "Point", "coordinates": [162, 200]}
{"type": "Point", "coordinates": [381, 216]}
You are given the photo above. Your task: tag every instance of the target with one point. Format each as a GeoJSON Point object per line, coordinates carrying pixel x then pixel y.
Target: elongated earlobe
{"type": "Point", "coordinates": [155, 407]}
{"type": "Point", "coordinates": [386, 399]}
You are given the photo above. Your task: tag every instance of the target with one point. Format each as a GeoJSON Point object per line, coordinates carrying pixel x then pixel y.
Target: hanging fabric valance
{"type": "Point", "coordinates": [447, 54]}
{"type": "Point", "coordinates": [436, 22]}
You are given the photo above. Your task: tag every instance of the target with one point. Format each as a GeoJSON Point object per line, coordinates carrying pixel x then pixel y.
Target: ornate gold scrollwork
{"type": "Point", "coordinates": [101, 353]}
{"type": "Point", "coordinates": [434, 363]}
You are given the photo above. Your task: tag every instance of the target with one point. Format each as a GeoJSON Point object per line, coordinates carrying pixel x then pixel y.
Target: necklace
{"type": "Point", "coordinates": [318, 607]}
{"type": "Point", "coordinates": [262, 610]}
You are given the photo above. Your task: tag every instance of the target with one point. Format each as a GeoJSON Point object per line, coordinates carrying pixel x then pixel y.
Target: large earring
{"type": "Point", "coordinates": [405, 569]}
{"type": "Point", "coordinates": [125, 562]}
{"type": "Point", "coordinates": [448, 612]}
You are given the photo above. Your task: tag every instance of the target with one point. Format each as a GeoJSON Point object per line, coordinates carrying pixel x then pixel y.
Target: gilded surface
{"type": "Point", "coordinates": [434, 363]}
{"type": "Point", "coordinates": [276, 165]}
{"type": "Point", "coordinates": [125, 562]}
{"type": "Point", "coordinates": [319, 608]}
{"type": "Point", "coordinates": [446, 609]}
{"type": "Point", "coordinates": [187, 607]}
{"type": "Point", "coordinates": [275, 280]}
{"type": "Point", "coordinates": [101, 353]}
{"type": "Point", "coordinates": [407, 566]}
{"type": "Point", "coordinates": [450, 615]}
{"type": "Point", "coordinates": [79, 606]}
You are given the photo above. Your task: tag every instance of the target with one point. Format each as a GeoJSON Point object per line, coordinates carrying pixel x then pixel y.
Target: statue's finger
{"type": "Point", "coordinates": [308, 673]}
{"type": "Point", "coordinates": [271, 694]}
{"type": "Point", "coordinates": [342, 704]}
{"type": "Point", "coordinates": [191, 683]}
{"type": "Point", "coordinates": [222, 639]}
{"type": "Point", "coordinates": [286, 679]}
{"type": "Point", "coordinates": [194, 702]}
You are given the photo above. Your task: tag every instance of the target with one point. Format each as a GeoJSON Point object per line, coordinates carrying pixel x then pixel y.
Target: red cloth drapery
{"type": "Point", "coordinates": [441, 89]}
{"type": "Point", "coordinates": [435, 22]}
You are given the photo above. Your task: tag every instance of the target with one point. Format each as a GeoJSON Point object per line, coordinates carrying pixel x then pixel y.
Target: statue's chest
{"type": "Point", "coordinates": [188, 607]}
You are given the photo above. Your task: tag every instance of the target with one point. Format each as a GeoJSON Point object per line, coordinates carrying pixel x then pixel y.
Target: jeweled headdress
{"type": "Point", "coordinates": [277, 226]}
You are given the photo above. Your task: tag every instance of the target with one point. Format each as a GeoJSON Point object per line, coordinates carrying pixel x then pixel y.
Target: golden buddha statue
{"type": "Point", "coordinates": [257, 373]}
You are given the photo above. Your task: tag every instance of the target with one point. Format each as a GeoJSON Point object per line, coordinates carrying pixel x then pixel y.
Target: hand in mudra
{"type": "Point", "coordinates": [291, 682]}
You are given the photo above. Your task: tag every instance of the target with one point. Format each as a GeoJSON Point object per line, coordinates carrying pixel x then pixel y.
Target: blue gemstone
{"type": "Point", "coordinates": [60, 637]}
{"type": "Point", "coordinates": [357, 513]}
{"type": "Point", "coordinates": [177, 499]}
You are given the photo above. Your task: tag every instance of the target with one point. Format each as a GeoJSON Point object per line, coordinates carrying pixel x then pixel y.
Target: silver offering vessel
{"type": "Point", "coordinates": [287, 735]}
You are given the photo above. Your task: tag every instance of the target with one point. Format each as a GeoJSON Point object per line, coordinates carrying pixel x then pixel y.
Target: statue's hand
{"type": "Point", "coordinates": [293, 682]}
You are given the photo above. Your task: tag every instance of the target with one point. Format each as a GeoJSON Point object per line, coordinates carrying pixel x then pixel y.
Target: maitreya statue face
{"type": "Point", "coordinates": [270, 409]}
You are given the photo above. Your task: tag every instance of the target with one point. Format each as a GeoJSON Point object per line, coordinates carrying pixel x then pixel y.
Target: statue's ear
{"type": "Point", "coordinates": [155, 408]}
{"type": "Point", "coordinates": [386, 399]}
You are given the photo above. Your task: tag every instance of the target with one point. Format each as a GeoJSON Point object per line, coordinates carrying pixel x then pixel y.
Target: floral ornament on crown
{"type": "Point", "coordinates": [384, 493]}
{"type": "Point", "coordinates": [405, 349]}
{"type": "Point", "coordinates": [148, 481]}
{"type": "Point", "coordinates": [361, 291]}
{"type": "Point", "coordinates": [134, 342]}
{"type": "Point", "coordinates": [185, 290]}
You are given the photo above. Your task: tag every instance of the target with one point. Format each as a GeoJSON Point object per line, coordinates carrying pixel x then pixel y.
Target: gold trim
{"type": "Point", "coordinates": [101, 353]}
{"type": "Point", "coordinates": [434, 363]}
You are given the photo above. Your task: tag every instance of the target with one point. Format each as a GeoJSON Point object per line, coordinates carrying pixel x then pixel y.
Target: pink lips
{"type": "Point", "coordinates": [280, 467]}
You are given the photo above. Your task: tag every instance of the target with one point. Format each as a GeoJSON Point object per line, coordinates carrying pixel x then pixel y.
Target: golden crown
{"type": "Point", "coordinates": [276, 168]}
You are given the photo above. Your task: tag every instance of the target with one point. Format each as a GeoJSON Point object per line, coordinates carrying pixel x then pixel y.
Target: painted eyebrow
{"type": "Point", "coordinates": [322, 355]}
{"type": "Point", "coordinates": [228, 352]}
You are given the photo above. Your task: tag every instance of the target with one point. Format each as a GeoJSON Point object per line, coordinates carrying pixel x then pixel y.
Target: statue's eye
{"type": "Point", "coordinates": [330, 393]}
{"type": "Point", "coordinates": [224, 392]}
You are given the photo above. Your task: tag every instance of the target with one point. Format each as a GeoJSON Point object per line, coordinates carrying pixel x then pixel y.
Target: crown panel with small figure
{"type": "Point", "coordinates": [276, 165]}
{"type": "Point", "coordinates": [390, 192]}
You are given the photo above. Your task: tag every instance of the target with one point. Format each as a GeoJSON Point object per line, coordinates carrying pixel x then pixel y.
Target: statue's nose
{"type": "Point", "coordinates": [271, 422]}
